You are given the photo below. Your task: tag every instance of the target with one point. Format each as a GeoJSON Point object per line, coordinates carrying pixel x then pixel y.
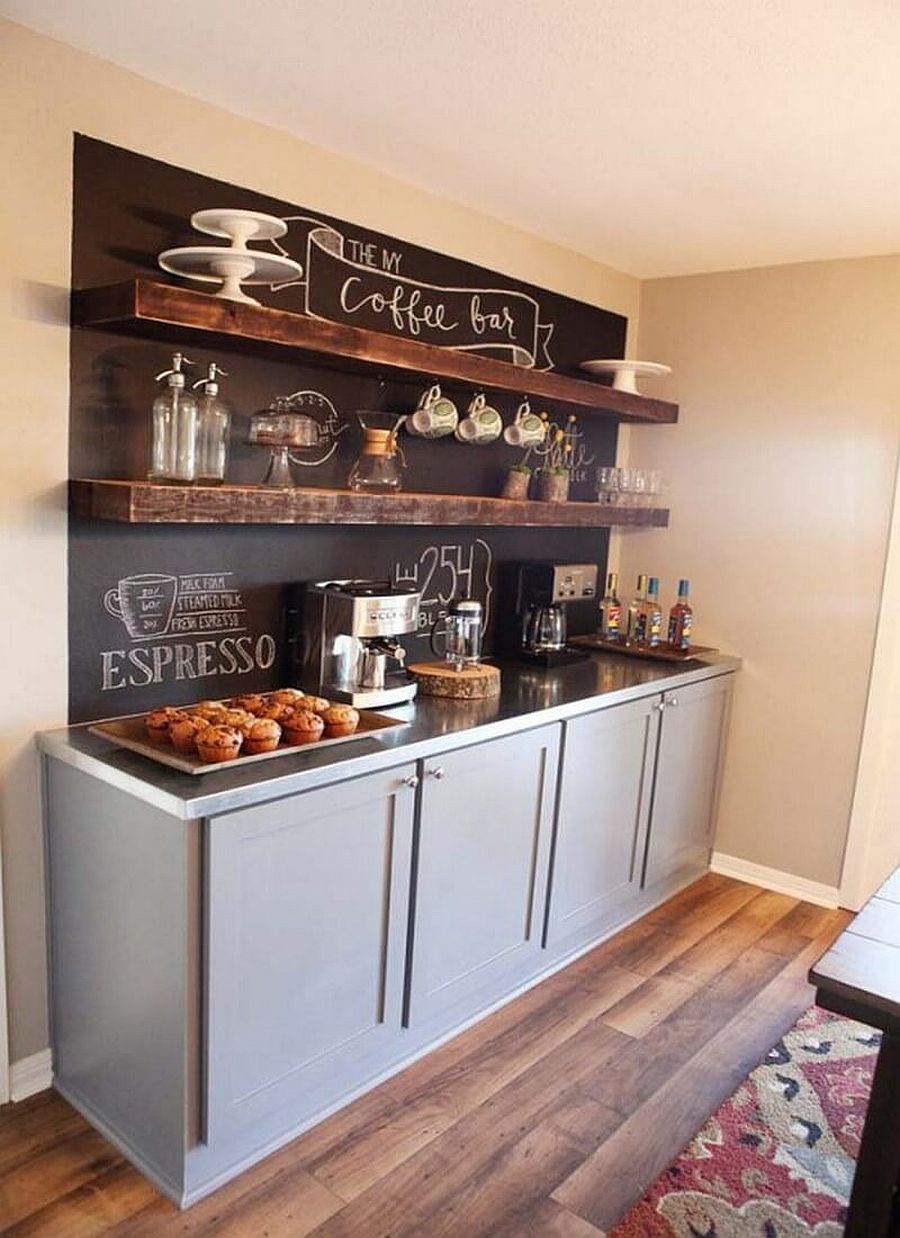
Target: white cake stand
{"type": "Point", "coordinates": [230, 267]}
{"type": "Point", "coordinates": [233, 265]}
{"type": "Point", "coordinates": [239, 227]}
{"type": "Point", "coordinates": [626, 372]}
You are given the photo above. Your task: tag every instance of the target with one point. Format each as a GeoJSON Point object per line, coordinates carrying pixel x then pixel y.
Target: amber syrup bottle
{"type": "Point", "coordinates": [681, 618]}
{"type": "Point", "coordinates": [611, 610]}
{"type": "Point", "coordinates": [634, 633]}
{"type": "Point", "coordinates": [652, 622]}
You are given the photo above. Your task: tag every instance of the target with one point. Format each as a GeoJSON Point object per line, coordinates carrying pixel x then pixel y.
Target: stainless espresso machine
{"type": "Point", "coordinates": [543, 603]}
{"type": "Point", "coordinates": [350, 650]}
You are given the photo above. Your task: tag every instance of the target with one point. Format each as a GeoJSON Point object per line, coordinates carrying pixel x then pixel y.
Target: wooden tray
{"type": "Point", "coordinates": [661, 654]}
{"type": "Point", "coordinates": [131, 733]}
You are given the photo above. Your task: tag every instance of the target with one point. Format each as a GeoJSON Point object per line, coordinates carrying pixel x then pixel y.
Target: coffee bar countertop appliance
{"type": "Point", "coordinates": [542, 603]}
{"type": "Point", "coordinates": [349, 649]}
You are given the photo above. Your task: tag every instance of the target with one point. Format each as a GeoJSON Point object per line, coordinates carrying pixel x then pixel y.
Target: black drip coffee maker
{"type": "Point", "coordinates": [541, 604]}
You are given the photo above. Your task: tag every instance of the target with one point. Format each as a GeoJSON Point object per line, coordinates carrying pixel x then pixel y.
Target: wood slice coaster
{"type": "Point", "coordinates": [469, 684]}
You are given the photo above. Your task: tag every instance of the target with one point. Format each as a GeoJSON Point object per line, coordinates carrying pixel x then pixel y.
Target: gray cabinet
{"type": "Point", "coordinates": [685, 791]}
{"type": "Point", "coordinates": [604, 809]}
{"type": "Point", "coordinates": [308, 908]}
{"type": "Point", "coordinates": [220, 982]}
{"type": "Point", "coordinates": [483, 846]}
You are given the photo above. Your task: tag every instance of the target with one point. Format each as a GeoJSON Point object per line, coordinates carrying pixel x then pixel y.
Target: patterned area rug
{"type": "Point", "coordinates": [777, 1159]}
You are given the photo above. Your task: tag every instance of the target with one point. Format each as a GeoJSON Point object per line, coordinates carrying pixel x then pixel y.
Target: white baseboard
{"type": "Point", "coordinates": [30, 1075]}
{"type": "Point", "coordinates": [774, 879]}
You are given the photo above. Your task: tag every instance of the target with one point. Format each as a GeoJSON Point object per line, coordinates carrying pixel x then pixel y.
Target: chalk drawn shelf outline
{"type": "Point", "coordinates": [141, 502]}
{"type": "Point", "coordinates": [162, 311]}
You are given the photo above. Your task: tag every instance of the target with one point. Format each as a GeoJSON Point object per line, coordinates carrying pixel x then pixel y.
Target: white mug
{"type": "Point", "coordinates": [435, 417]}
{"type": "Point", "coordinates": [527, 430]}
{"type": "Point", "coordinates": [482, 424]}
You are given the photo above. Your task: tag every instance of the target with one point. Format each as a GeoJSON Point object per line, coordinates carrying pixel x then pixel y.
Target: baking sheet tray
{"type": "Point", "coordinates": [660, 654]}
{"type": "Point", "coordinates": [131, 733]}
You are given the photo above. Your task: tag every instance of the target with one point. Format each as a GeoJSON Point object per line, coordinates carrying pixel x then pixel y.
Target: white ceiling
{"type": "Point", "coordinates": [659, 136]}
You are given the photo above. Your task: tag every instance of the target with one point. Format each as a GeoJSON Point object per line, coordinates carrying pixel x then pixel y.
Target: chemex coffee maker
{"type": "Point", "coordinates": [541, 605]}
{"type": "Point", "coordinates": [349, 646]}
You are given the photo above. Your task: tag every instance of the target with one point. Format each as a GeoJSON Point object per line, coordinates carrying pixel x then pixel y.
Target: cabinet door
{"type": "Point", "coordinates": [691, 745]}
{"type": "Point", "coordinates": [604, 807]}
{"type": "Point", "coordinates": [308, 908]}
{"type": "Point", "coordinates": [483, 845]}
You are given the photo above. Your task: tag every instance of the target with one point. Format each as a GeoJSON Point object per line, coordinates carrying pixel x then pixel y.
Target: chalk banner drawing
{"type": "Point", "coordinates": [444, 574]}
{"type": "Point", "coordinates": [204, 607]}
{"type": "Point", "coordinates": [497, 322]}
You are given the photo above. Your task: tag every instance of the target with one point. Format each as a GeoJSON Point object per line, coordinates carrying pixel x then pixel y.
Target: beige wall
{"type": "Point", "coordinates": [782, 470]}
{"type": "Point", "coordinates": [873, 844]}
{"type": "Point", "coordinates": [46, 92]}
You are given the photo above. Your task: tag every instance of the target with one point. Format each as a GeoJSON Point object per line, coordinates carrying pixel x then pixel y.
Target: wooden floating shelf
{"type": "Point", "coordinates": [136, 502]}
{"type": "Point", "coordinates": [163, 311]}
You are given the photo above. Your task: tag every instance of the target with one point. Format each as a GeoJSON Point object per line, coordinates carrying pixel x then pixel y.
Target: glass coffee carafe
{"type": "Point", "coordinates": [378, 469]}
{"type": "Point", "coordinates": [544, 629]}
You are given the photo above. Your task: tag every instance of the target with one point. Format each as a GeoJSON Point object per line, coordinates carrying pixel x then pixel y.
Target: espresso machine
{"type": "Point", "coordinates": [543, 603]}
{"type": "Point", "coordinates": [348, 646]}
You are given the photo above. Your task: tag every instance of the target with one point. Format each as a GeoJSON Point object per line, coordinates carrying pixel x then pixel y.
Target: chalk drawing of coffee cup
{"type": "Point", "coordinates": [144, 604]}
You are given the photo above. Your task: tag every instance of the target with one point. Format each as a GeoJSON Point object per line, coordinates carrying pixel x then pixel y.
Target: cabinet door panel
{"type": "Point", "coordinates": [482, 865]}
{"type": "Point", "coordinates": [685, 792]}
{"type": "Point", "coordinates": [308, 908]}
{"type": "Point", "coordinates": [604, 805]}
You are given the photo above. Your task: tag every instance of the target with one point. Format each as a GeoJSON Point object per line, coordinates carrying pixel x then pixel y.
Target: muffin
{"type": "Point", "coordinates": [184, 732]}
{"type": "Point", "coordinates": [159, 720]}
{"type": "Point", "coordinates": [253, 702]}
{"type": "Point", "coordinates": [219, 743]}
{"type": "Point", "coordinates": [315, 704]}
{"type": "Point", "coordinates": [286, 696]}
{"type": "Point", "coordinates": [302, 726]}
{"type": "Point", "coordinates": [233, 717]}
{"type": "Point", "coordinates": [260, 735]}
{"type": "Point", "coordinates": [272, 709]}
{"type": "Point", "coordinates": [340, 720]}
{"type": "Point", "coordinates": [207, 709]}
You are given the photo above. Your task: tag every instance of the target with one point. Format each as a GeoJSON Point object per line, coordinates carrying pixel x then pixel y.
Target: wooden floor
{"type": "Point", "coordinates": [547, 1119]}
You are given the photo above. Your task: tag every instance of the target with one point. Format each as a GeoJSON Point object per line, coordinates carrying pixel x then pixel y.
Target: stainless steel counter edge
{"type": "Point", "coordinates": [530, 698]}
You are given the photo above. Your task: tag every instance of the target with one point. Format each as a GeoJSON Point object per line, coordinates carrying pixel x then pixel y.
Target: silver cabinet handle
{"type": "Point", "coordinates": [673, 701]}
{"type": "Point", "coordinates": [411, 780]}
{"type": "Point", "coordinates": [659, 706]}
{"type": "Point", "coordinates": [438, 773]}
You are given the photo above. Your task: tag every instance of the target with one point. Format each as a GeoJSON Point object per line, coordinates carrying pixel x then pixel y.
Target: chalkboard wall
{"type": "Point", "coordinates": [216, 596]}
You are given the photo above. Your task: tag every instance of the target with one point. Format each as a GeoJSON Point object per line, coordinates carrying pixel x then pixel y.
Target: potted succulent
{"type": "Point", "coordinates": [517, 481]}
{"type": "Point", "coordinates": [553, 475]}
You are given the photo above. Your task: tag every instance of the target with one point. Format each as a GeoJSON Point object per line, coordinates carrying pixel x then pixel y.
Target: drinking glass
{"type": "Point", "coordinates": [654, 486]}
{"type": "Point", "coordinates": [627, 482]}
{"type": "Point", "coordinates": [640, 487]}
{"type": "Point", "coordinates": [607, 485]}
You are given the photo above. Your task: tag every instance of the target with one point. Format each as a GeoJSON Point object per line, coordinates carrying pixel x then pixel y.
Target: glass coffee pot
{"type": "Point", "coordinates": [378, 469]}
{"type": "Point", "coordinates": [462, 634]}
{"type": "Point", "coordinates": [544, 629]}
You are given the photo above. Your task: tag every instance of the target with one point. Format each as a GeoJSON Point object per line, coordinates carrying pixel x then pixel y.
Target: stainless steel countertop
{"type": "Point", "coordinates": [530, 697]}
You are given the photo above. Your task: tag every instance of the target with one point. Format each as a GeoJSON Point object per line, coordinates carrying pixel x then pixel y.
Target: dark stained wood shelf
{"type": "Point", "coordinates": [138, 502]}
{"type": "Point", "coordinates": [145, 307]}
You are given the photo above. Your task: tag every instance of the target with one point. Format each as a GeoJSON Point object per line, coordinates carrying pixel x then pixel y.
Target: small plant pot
{"type": "Point", "coordinates": [553, 487]}
{"type": "Point", "coordinates": [515, 485]}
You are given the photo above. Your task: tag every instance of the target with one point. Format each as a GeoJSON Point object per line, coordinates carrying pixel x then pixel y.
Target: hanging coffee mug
{"type": "Point", "coordinates": [482, 424]}
{"type": "Point", "coordinates": [527, 430]}
{"type": "Point", "coordinates": [435, 417]}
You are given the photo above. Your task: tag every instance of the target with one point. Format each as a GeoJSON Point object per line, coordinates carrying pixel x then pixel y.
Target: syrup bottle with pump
{"type": "Point", "coordinates": [174, 451]}
{"type": "Point", "coordinates": [213, 427]}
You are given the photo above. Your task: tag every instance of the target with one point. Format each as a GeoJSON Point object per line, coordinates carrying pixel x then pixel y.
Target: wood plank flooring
{"type": "Point", "coordinates": [545, 1121]}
